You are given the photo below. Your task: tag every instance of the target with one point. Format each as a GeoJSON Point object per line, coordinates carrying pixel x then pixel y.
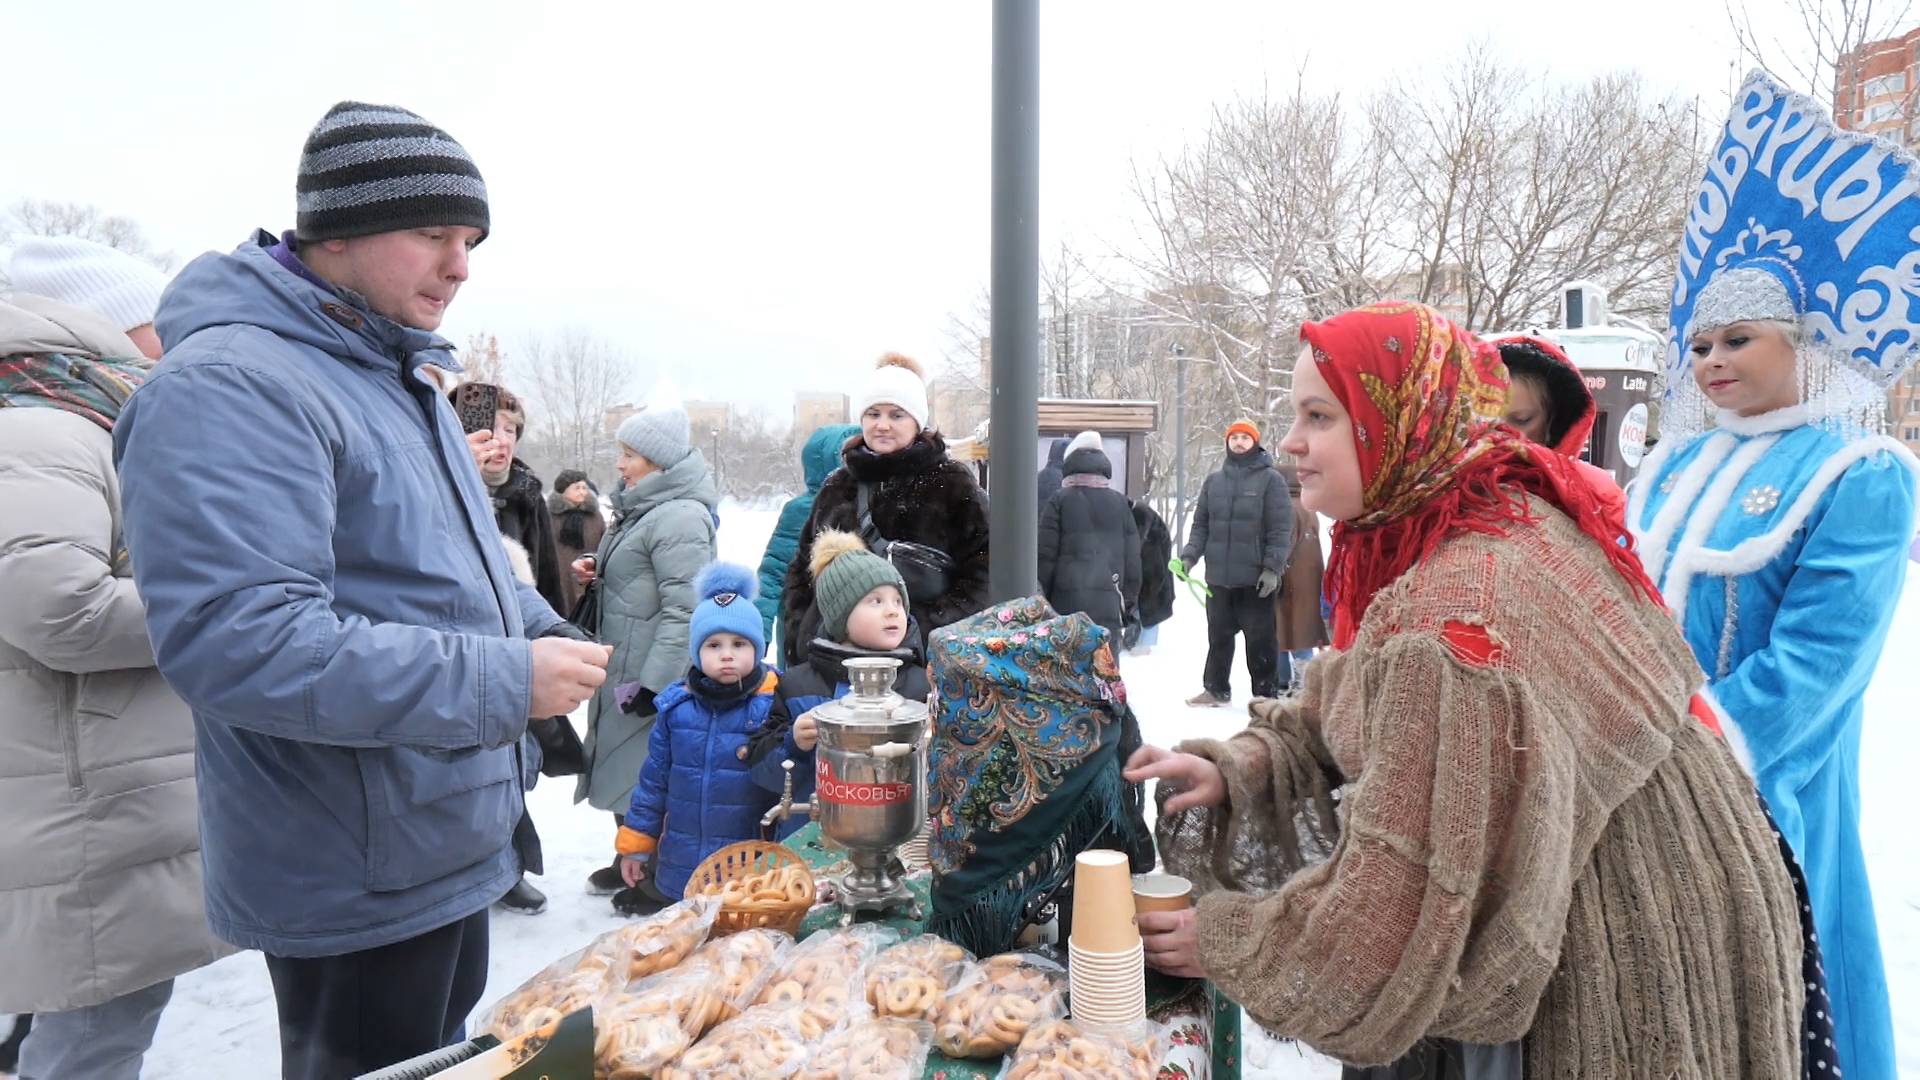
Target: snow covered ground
{"type": "Point", "coordinates": [221, 1021]}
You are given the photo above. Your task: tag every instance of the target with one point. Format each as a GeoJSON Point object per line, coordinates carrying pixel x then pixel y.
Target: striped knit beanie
{"type": "Point", "coordinates": [378, 168]}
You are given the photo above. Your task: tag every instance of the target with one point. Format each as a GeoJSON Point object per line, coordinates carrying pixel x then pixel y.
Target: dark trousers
{"type": "Point", "coordinates": [1242, 611]}
{"type": "Point", "coordinates": [341, 1016]}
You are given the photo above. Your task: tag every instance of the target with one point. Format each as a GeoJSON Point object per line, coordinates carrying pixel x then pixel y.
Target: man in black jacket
{"type": "Point", "coordinates": [1089, 546]}
{"type": "Point", "coordinates": [1243, 528]}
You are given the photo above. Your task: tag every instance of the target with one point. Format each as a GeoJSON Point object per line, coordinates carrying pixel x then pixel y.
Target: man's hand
{"type": "Point", "coordinates": [1269, 581]}
{"type": "Point", "coordinates": [806, 731]}
{"type": "Point", "coordinates": [565, 673]}
{"type": "Point", "coordinates": [632, 870]}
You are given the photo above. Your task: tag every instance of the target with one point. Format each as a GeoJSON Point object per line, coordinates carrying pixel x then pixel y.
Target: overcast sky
{"type": "Point", "coordinates": [752, 198]}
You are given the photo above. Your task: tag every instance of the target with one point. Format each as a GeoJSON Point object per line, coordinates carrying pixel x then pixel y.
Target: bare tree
{"type": "Point", "coordinates": [1823, 35]}
{"type": "Point", "coordinates": [50, 217]}
{"type": "Point", "coordinates": [484, 360]}
{"type": "Point", "coordinates": [572, 379]}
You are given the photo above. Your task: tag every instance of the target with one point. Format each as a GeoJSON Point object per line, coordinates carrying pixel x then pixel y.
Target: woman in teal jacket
{"type": "Point", "coordinates": [818, 459]}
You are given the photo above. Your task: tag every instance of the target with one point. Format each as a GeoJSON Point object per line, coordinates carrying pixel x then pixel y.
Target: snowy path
{"type": "Point", "coordinates": [221, 1021]}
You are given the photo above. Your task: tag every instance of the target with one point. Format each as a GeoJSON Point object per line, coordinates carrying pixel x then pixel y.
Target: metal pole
{"type": "Point", "coordinates": [1013, 468]}
{"type": "Point", "coordinates": [1179, 446]}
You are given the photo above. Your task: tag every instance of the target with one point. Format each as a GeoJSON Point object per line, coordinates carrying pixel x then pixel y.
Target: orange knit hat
{"type": "Point", "coordinates": [1244, 427]}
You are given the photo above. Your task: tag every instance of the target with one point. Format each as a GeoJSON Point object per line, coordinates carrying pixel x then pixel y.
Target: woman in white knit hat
{"type": "Point", "coordinates": [662, 534]}
{"type": "Point", "coordinates": [93, 277]}
{"type": "Point", "coordinates": [902, 494]}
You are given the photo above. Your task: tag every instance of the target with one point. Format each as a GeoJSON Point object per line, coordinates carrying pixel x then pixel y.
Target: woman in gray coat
{"type": "Point", "coordinates": [662, 534]}
{"type": "Point", "coordinates": [101, 903]}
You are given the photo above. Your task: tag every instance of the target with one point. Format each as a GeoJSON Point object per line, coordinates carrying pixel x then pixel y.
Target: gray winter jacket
{"type": "Point", "coordinates": [1242, 522]}
{"type": "Point", "coordinates": [100, 889]}
{"type": "Point", "coordinates": [663, 533]}
{"type": "Point", "coordinates": [326, 587]}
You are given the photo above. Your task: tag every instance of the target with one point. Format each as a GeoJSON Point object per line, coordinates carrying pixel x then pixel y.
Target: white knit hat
{"type": "Point", "coordinates": [90, 276]}
{"type": "Point", "coordinates": [897, 380]}
{"type": "Point", "coordinates": [1086, 440]}
{"type": "Point", "coordinates": [659, 435]}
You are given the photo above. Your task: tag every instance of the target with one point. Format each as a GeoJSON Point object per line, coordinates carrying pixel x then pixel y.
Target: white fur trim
{"type": "Point", "coordinates": [1755, 552]}
{"type": "Point", "coordinates": [1703, 515]}
{"type": "Point", "coordinates": [517, 558]}
{"type": "Point", "coordinates": [1643, 479]}
{"type": "Point", "coordinates": [1658, 537]}
{"type": "Point", "coordinates": [1786, 419]}
{"type": "Point", "coordinates": [1736, 739]}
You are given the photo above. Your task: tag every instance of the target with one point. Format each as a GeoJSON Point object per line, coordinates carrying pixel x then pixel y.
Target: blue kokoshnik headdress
{"type": "Point", "coordinates": [1797, 221]}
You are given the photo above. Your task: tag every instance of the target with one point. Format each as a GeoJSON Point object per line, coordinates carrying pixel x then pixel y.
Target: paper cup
{"type": "Point", "coordinates": [1161, 892]}
{"type": "Point", "coordinates": [1103, 902]}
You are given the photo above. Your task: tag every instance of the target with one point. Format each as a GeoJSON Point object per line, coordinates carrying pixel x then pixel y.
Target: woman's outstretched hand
{"type": "Point", "coordinates": [1195, 780]}
{"type": "Point", "coordinates": [1171, 942]}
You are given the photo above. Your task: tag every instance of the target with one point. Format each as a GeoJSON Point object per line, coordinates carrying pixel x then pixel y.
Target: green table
{"type": "Point", "coordinates": [1205, 1026]}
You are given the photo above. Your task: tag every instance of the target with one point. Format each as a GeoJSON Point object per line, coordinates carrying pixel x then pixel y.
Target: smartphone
{"type": "Point", "coordinates": [477, 404]}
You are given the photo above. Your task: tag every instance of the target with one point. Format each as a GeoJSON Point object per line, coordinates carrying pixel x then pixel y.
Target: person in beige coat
{"type": "Point", "coordinates": [100, 891]}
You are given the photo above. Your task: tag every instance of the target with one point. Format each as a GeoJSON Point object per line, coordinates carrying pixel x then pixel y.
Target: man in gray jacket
{"type": "Point", "coordinates": [100, 895]}
{"type": "Point", "coordinates": [327, 590]}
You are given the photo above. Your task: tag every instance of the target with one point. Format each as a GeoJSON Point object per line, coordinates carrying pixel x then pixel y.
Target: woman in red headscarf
{"type": "Point", "coordinates": [1548, 402]}
{"type": "Point", "coordinates": [1546, 864]}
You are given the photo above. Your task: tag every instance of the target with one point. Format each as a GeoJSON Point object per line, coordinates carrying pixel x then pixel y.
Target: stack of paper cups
{"type": "Point", "coordinates": [1106, 965]}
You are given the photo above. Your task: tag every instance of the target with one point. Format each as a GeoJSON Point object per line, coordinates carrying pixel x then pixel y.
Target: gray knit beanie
{"type": "Point", "coordinates": [843, 572]}
{"type": "Point", "coordinates": [659, 435]}
{"type": "Point", "coordinates": [378, 168]}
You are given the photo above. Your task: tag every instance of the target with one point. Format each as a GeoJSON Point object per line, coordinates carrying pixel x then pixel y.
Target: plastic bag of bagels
{"type": "Point", "coordinates": [646, 947]}
{"type": "Point", "coordinates": [996, 1002]}
{"type": "Point", "coordinates": [1063, 1049]}
{"type": "Point", "coordinates": [825, 976]}
{"type": "Point", "coordinates": [639, 1031]}
{"type": "Point", "coordinates": [740, 965]}
{"type": "Point", "coordinates": [912, 978]}
{"type": "Point", "coordinates": [562, 988]}
{"type": "Point", "coordinates": [871, 1048]}
{"type": "Point", "coordinates": [762, 1043]}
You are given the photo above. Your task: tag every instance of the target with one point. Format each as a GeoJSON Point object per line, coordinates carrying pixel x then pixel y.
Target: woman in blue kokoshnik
{"type": "Point", "coordinates": [1775, 514]}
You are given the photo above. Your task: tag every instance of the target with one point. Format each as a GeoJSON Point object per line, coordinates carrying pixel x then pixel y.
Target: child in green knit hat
{"type": "Point", "coordinates": [863, 612]}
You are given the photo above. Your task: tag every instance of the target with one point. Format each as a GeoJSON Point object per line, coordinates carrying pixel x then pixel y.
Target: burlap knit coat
{"type": "Point", "coordinates": [1536, 840]}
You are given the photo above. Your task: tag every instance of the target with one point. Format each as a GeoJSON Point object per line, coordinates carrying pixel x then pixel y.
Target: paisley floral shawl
{"type": "Point", "coordinates": [1029, 720]}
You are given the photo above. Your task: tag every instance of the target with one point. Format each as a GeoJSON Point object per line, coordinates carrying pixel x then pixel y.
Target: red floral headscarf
{"type": "Point", "coordinates": [1426, 400]}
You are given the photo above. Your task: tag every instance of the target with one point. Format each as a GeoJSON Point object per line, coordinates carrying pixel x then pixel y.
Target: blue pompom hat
{"type": "Point", "coordinates": [726, 592]}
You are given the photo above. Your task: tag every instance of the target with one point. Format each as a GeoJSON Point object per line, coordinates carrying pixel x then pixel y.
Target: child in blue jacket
{"type": "Point", "coordinates": [863, 612]}
{"type": "Point", "coordinates": [695, 795]}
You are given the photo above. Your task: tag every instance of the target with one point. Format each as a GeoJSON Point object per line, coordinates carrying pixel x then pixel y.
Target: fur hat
{"type": "Point", "coordinates": [844, 571]}
{"type": "Point", "coordinates": [659, 435]}
{"type": "Point", "coordinates": [1086, 440]}
{"type": "Point", "coordinates": [568, 478]}
{"type": "Point", "coordinates": [726, 592]}
{"type": "Point", "coordinates": [896, 380]}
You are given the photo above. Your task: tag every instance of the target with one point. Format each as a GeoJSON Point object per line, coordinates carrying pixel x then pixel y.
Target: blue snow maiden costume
{"type": "Point", "coordinates": [1780, 540]}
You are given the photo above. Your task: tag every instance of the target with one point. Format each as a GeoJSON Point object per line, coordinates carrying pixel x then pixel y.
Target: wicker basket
{"type": "Point", "coordinates": [743, 860]}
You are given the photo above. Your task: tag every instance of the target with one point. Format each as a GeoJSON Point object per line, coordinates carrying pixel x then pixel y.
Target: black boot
{"type": "Point", "coordinates": [10, 1050]}
{"type": "Point", "coordinates": [524, 898]}
{"type": "Point", "coordinates": [639, 900]}
{"type": "Point", "coordinates": [607, 880]}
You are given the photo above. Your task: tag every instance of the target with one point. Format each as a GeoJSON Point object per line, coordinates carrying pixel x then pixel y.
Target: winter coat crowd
{"type": "Point", "coordinates": [288, 631]}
